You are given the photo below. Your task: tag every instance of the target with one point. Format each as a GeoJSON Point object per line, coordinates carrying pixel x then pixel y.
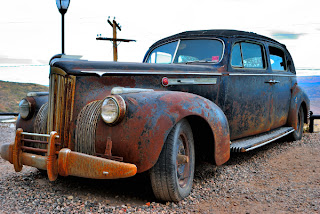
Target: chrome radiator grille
{"type": "Point", "coordinates": [60, 105]}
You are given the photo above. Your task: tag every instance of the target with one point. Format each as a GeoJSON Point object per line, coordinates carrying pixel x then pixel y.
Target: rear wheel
{"type": "Point", "coordinates": [297, 134]}
{"type": "Point", "coordinates": [172, 175]}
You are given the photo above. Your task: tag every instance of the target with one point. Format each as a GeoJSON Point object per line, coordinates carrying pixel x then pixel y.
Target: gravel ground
{"type": "Point", "coordinates": [282, 177]}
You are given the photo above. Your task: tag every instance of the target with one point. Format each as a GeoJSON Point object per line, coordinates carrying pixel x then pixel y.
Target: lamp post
{"type": "Point", "coordinates": [62, 6]}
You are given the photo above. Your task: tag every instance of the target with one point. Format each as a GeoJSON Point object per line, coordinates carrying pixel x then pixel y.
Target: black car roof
{"type": "Point", "coordinates": [216, 33]}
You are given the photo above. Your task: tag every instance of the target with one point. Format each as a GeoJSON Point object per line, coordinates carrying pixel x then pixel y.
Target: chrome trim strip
{"type": "Point", "coordinates": [100, 73]}
{"type": "Point", "coordinates": [192, 81]}
{"type": "Point", "coordinates": [283, 75]}
{"type": "Point", "coordinates": [269, 141]}
{"type": "Point", "coordinates": [280, 75]}
{"type": "Point", "coordinates": [36, 94]}
{"type": "Point", "coordinates": [122, 90]}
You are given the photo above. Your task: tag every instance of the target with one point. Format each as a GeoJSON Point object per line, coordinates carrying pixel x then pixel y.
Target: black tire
{"type": "Point", "coordinates": [297, 134]}
{"type": "Point", "coordinates": [170, 180]}
{"type": "Point", "coordinates": [43, 172]}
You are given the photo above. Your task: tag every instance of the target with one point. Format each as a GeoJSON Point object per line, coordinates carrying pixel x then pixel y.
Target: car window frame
{"type": "Point", "coordinates": [168, 42]}
{"type": "Point", "coordinates": [263, 51]}
{"type": "Point", "coordinates": [195, 38]}
{"type": "Point", "coordinates": [285, 58]}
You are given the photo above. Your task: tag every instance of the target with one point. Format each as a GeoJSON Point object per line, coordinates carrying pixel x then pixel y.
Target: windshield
{"type": "Point", "coordinates": [187, 51]}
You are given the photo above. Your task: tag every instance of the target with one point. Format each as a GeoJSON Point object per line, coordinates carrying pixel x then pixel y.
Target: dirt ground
{"type": "Point", "coordinates": [282, 177]}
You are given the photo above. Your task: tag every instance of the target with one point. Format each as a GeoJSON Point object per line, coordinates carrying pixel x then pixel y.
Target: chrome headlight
{"type": "Point", "coordinates": [113, 109]}
{"type": "Point", "coordinates": [25, 109]}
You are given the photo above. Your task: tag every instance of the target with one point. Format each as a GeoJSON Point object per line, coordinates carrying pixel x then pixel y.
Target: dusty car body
{"type": "Point", "coordinates": [196, 94]}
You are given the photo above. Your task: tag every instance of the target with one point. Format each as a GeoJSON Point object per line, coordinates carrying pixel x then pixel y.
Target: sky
{"type": "Point", "coordinates": [31, 31]}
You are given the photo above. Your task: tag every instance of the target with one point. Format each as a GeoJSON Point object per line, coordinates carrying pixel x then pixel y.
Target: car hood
{"type": "Point", "coordinates": [82, 67]}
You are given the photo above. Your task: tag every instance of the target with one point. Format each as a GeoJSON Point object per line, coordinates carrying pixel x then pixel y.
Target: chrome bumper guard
{"type": "Point", "coordinates": [64, 162]}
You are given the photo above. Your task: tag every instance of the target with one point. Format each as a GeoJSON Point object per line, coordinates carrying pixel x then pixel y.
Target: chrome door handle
{"type": "Point", "coordinates": [272, 81]}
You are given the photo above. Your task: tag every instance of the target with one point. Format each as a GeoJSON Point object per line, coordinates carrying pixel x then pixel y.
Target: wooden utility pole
{"type": "Point", "coordinates": [115, 40]}
{"type": "Point", "coordinates": [115, 48]}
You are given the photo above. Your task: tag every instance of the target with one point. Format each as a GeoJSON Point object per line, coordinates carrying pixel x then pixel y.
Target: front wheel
{"type": "Point", "coordinates": [297, 134]}
{"type": "Point", "coordinates": [172, 175]}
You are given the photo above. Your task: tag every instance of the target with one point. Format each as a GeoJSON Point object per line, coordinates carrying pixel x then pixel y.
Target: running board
{"type": "Point", "coordinates": [253, 142]}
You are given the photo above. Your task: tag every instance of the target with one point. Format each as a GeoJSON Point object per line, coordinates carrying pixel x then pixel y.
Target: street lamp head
{"type": "Point", "coordinates": [62, 5]}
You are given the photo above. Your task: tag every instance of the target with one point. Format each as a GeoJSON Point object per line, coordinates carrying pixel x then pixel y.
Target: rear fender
{"type": "Point", "coordinates": [298, 98]}
{"type": "Point", "coordinates": [149, 119]}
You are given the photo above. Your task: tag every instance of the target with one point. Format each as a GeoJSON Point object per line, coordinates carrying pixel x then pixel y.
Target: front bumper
{"type": "Point", "coordinates": [64, 162]}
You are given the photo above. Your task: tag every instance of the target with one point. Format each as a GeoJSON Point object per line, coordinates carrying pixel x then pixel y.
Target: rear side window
{"type": "Point", "coordinates": [277, 59]}
{"type": "Point", "coordinates": [247, 55]}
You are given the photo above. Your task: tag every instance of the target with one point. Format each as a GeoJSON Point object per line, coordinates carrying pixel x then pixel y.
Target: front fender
{"type": "Point", "coordinates": [149, 119]}
{"type": "Point", "coordinates": [37, 99]}
{"type": "Point", "coordinates": [298, 98]}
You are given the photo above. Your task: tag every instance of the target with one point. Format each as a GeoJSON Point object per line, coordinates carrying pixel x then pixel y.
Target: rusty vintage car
{"type": "Point", "coordinates": [197, 94]}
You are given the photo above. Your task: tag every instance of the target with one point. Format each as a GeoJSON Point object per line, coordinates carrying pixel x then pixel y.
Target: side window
{"type": "Point", "coordinates": [277, 59]}
{"type": "Point", "coordinates": [247, 55]}
{"type": "Point", "coordinates": [236, 60]}
{"type": "Point", "coordinates": [163, 54]}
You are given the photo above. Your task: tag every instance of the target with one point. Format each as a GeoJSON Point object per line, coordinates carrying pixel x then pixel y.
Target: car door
{"type": "Point", "coordinates": [248, 95]}
{"type": "Point", "coordinates": [281, 86]}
